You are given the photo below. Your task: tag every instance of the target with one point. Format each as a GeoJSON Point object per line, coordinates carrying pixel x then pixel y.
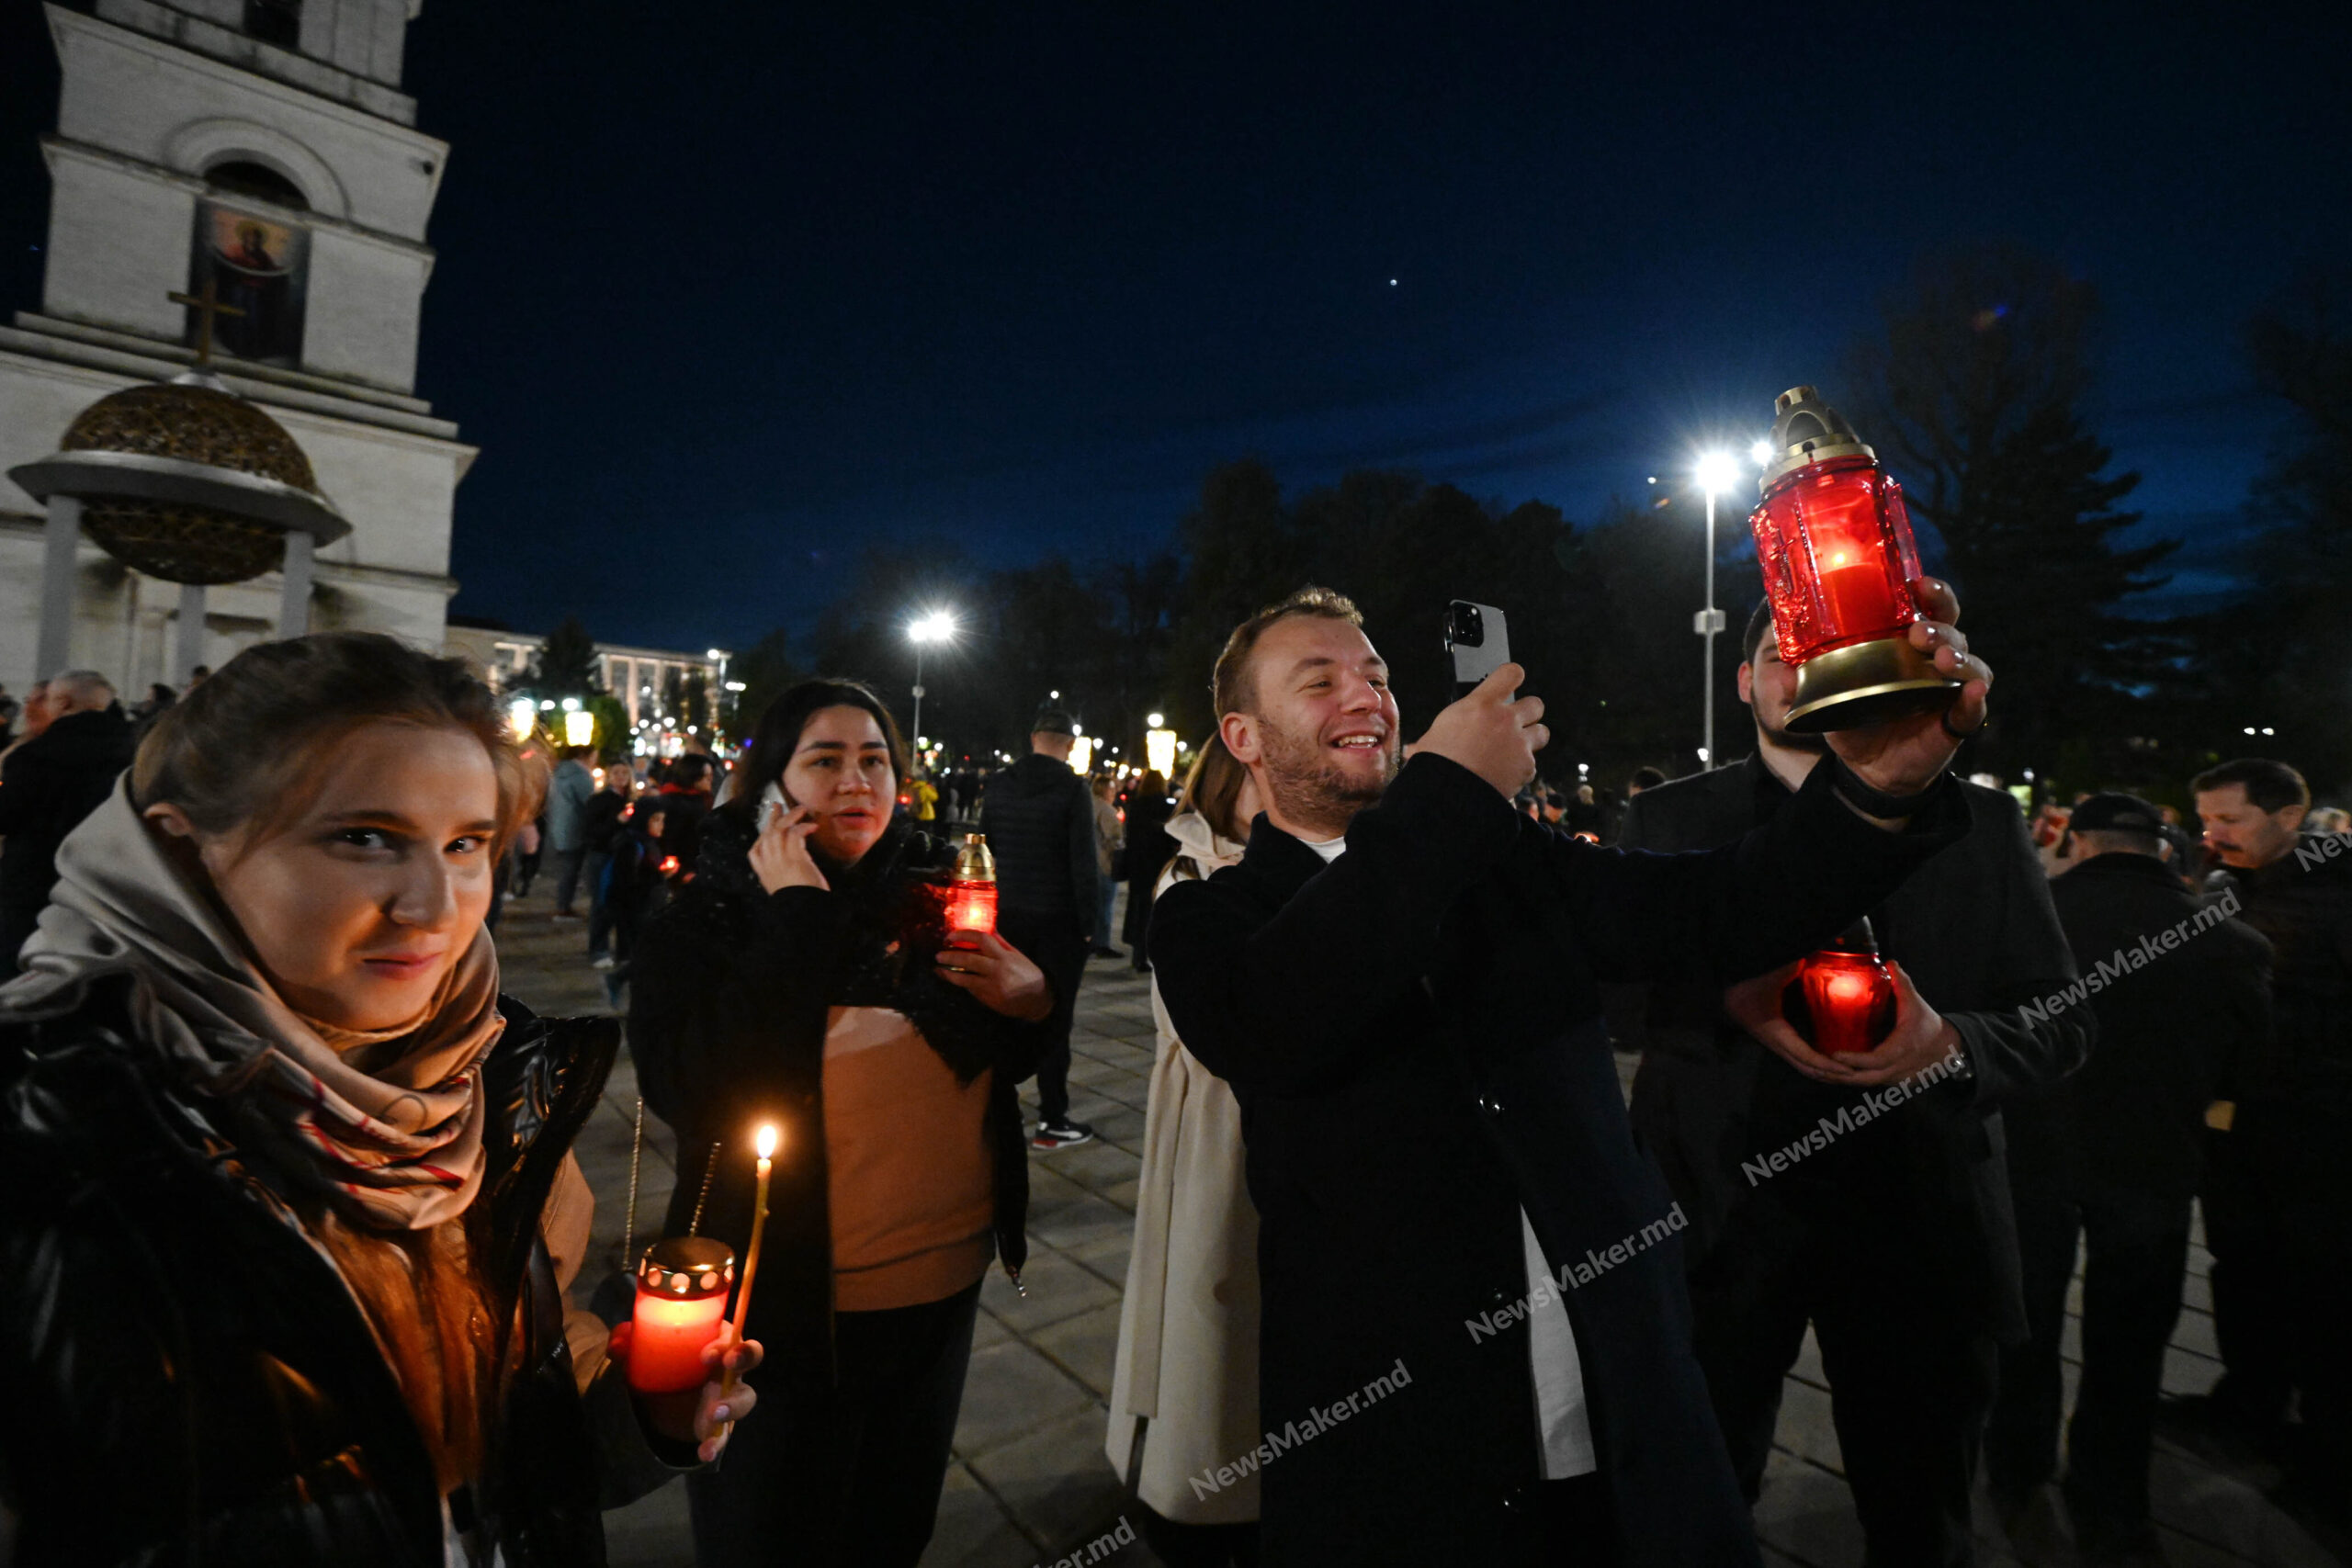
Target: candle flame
{"type": "Point", "coordinates": [768, 1143]}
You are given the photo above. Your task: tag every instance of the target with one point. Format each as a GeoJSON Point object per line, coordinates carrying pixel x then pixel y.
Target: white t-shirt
{"type": "Point", "coordinates": [1563, 1420]}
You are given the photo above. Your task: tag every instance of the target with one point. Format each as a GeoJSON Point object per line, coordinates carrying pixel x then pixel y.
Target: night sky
{"type": "Point", "coordinates": [729, 294]}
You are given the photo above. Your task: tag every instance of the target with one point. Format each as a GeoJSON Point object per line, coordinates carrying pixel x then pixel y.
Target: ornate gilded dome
{"type": "Point", "coordinates": [187, 482]}
{"type": "Point", "coordinates": [198, 423]}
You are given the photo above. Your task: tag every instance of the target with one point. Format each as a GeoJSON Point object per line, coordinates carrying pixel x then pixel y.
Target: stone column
{"type": "Point", "coordinates": [294, 599]}
{"type": "Point", "coordinates": [60, 542]}
{"type": "Point", "coordinates": [187, 647]}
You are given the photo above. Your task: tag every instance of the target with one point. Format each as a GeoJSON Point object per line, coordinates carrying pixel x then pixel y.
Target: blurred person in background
{"type": "Point", "coordinates": [600, 824]}
{"type": "Point", "coordinates": [569, 793]}
{"type": "Point", "coordinates": [2113, 1156]}
{"type": "Point", "coordinates": [1148, 847]}
{"type": "Point", "coordinates": [2277, 1197]}
{"type": "Point", "coordinates": [1038, 818]}
{"type": "Point", "coordinates": [1184, 1387]}
{"type": "Point", "coordinates": [48, 784]}
{"type": "Point", "coordinates": [1110, 840]}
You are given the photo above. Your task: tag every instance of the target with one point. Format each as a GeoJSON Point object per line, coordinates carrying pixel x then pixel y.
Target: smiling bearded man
{"type": "Point", "coordinates": [1398, 980]}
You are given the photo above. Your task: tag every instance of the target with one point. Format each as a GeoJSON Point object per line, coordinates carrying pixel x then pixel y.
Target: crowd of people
{"type": "Point", "coordinates": [293, 1224]}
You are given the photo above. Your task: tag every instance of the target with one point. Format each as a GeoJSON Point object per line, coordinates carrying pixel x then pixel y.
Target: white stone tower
{"type": "Point", "coordinates": [262, 149]}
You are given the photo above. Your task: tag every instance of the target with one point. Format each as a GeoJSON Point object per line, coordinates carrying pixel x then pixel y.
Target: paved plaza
{"type": "Point", "coordinates": [1030, 1483]}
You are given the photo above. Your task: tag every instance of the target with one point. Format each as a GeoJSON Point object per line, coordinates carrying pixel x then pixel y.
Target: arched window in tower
{"type": "Point", "coordinates": [256, 261]}
{"type": "Point", "coordinates": [275, 21]}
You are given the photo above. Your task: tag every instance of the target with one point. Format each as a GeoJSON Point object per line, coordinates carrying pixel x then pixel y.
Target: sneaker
{"type": "Point", "coordinates": [600, 961]}
{"type": "Point", "coordinates": [1062, 1134]}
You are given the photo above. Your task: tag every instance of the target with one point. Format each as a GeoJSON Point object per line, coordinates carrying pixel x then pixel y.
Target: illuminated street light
{"type": "Point", "coordinates": [1717, 472]}
{"type": "Point", "coordinates": [1761, 452]}
{"type": "Point", "coordinates": [1160, 751]}
{"type": "Point", "coordinates": [522, 717]}
{"type": "Point", "coordinates": [937, 626]}
{"type": "Point", "coordinates": [578, 726]}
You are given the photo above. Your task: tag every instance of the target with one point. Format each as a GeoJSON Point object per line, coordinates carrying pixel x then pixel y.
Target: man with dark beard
{"type": "Point", "coordinates": [1895, 1240]}
{"type": "Point", "coordinates": [1474, 1336]}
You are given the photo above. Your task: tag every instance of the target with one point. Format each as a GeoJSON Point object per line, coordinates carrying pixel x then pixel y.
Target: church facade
{"type": "Point", "coordinates": [261, 154]}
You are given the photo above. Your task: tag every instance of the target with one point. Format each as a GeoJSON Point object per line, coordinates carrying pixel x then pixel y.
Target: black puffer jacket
{"type": "Point", "coordinates": [186, 1380]}
{"type": "Point", "coordinates": [47, 787]}
{"type": "Point", "coordinates": [1039, 819]}
{"type": "Point", "coordinates": [732, 990]}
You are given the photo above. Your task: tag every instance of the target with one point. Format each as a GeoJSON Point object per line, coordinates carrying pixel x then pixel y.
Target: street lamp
{"type": "Point", "coordinates": [1717, 472]}
{"type": "Point", "coordinates": [937, 626]}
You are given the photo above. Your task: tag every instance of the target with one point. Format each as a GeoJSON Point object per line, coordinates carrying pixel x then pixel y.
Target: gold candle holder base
{"type": "Point", "coordinates": [1866, 683]}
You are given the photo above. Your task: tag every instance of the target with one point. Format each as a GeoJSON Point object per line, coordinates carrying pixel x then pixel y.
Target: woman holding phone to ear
{"type": "Point", "coordinates": [805, 977]}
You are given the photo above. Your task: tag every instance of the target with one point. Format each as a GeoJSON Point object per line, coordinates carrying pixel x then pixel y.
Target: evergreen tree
{"type": "Point", "coordinates": [1971, 393]}
{"type": "Point", "coordinates": [566, 665]}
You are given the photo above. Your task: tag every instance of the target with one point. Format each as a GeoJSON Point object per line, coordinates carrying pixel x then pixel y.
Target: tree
{"type": "Point", "coordinates": [2279, 659]}
{"type": "Point", "coordinates": [566, 665]}
{"type": "Point", "coordinates": [1972, 391]}
{"type": "Point", "coordinates": [767, 671]}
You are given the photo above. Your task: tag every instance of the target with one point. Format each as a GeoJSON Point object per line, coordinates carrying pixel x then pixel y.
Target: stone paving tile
{"type": "Point", "coordinates": [1107, 1257]}
{"type": "Point", "coordinates": [1056, 1480]}
{"type": "Point", "coordinates": [1086, 1347]}
{"type": "Point", "coordinates": [1056, 1288]}
{"type": "Point", "coordinates": [972, 1529]}
{"type": "Point", "coordinates": [1078, 1221]}
{"type": "Point", "coordinates": [1011, 1389]}
{"type": "Point", "coordinates": [651, 1532]}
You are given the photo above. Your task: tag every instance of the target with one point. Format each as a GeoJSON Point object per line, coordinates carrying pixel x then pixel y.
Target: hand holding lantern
{"type": "Point", "coordinates": [1834, 540]}
{"type": "Point", "coordinates": [1920, 1038]}
{"type": "Point", "coordinates": [1841, 999]}
{"type": "Point", "coordinates": [971, 897]}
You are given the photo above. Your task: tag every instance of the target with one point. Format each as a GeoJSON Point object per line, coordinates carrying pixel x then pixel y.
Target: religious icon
{"type": "Point", "coordinates": [260, 267]}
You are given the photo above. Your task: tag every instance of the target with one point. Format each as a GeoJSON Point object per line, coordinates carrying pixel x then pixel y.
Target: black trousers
{"type": "Point", "coordinates": [2135, 1252]}
{"type": "Point", "coordinates": [1909, 1391]}
{"type": "Point", "coordinates": [853, 1478]}
{"type": "Point", "coordinates": [1059, 945]}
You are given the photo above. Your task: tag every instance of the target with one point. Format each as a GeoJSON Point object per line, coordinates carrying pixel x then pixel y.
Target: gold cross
{"type": "Point", "coordinates": [208, 305]}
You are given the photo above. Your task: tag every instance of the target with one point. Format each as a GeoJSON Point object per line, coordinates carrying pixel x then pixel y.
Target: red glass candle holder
{"type": "Point", "coordinates": [1842, 998]}
{"type": "Point", "coordinates": [1839, 558]}
{"type": "Point", "coordinates": [682, 1288]}
{"type": "Point", "coordinates": [971, 897]}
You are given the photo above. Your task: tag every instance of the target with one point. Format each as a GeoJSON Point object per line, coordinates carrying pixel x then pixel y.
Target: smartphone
{"type": "Point", "coordinates": [1477, 637]}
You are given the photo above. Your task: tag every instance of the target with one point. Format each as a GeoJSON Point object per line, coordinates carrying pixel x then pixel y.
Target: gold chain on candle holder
{"type": "Point", "coordinates": [709, 1169]}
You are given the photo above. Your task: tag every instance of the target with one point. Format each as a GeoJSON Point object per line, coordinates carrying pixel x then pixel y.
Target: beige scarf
{"type": "Point", "coordinates": [388, 1124]}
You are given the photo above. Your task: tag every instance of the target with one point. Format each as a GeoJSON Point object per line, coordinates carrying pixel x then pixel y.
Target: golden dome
{"type": "Point", "coordinates": [196, 423]}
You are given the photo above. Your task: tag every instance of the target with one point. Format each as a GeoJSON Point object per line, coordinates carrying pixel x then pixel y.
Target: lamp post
{"type": "Point", "coordinates": [937, 626]}
{"type": "Point", "coordinates": [1715, 472]}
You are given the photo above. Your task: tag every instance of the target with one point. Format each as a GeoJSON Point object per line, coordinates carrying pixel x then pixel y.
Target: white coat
{"type": "Point", "coordinates": [1188, 1326]}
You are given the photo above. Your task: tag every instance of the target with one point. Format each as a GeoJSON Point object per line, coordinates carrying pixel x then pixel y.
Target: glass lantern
{"type": "Point", "coordinates": [1837, 556]}
{"type": "Point", "coordinates": [1842, 1000]}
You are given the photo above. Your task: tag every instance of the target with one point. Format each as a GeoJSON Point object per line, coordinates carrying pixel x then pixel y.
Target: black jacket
{"type": "Point", "coordinates": [47, 787]}
{"type": "Point", "coordinates": [185, 1379]}
{"type": "Point", "coordinates": [1039, 819]}
{"type": "Point", "coordinates": [731, 992]}
{"type": "Point", "coordinates": [2302, 903]}
{"type": "Point", "coordinates": [1974, 928]}
{"type": "Point", "coordinates": [1414, 1034]}
{"type": "Point", "coordinates": [2169, 1028]}
{"type": "Point", "coordinates": [600, 819]}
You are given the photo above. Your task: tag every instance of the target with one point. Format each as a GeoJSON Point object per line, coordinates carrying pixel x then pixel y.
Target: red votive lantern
{"type": "Point", "coordinates": [971, 897]}
{"type": "Point", "coordinates": [682, 1288]}
{"type": "Point", "coordinates": [1835, 546]}
{"type": "Point", "coordinates": [1842, 1000]}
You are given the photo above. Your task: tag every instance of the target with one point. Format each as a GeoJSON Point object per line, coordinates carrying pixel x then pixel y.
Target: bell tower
{"type": "Point", "coordinates": [261, 156]}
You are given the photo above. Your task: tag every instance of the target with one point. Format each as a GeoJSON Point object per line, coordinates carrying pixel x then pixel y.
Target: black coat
{"type": "Point", "coordinates": [1975, 931]}
{"type": "Point", "coordinates": [2170, 1030]}
{"type": "Point", "coordinates": [732, 989]}
{"type": "Point", "coordinates": [47, 787]}
{"type": "Point", "coordinates": [1414, 1034]}
{"type": "Point", "coordinates": [1147, 853]}
{"type": "Point", "coordinates": [1039, 819]}
{"type": "Point", "coordinates": [184, 1376]}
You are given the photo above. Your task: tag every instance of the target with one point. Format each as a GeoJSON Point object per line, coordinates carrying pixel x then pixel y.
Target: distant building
{"type": "Point", "coordinates": [646, 679]}
{"type": "Point", "coordinates": [262, 150]}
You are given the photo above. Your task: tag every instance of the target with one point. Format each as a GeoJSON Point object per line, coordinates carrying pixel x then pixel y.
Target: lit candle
{"type": "Point", "coordinates": [767, 1141]}
{"type": "Point", "coordinates": [971, 897]}
{"type": "Point", "coordinates": [1856, 598]}
{"type": "Point", "coordinates": [1842, 1000]}
{"type": "Point", "coordinates": [682, 1287]}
